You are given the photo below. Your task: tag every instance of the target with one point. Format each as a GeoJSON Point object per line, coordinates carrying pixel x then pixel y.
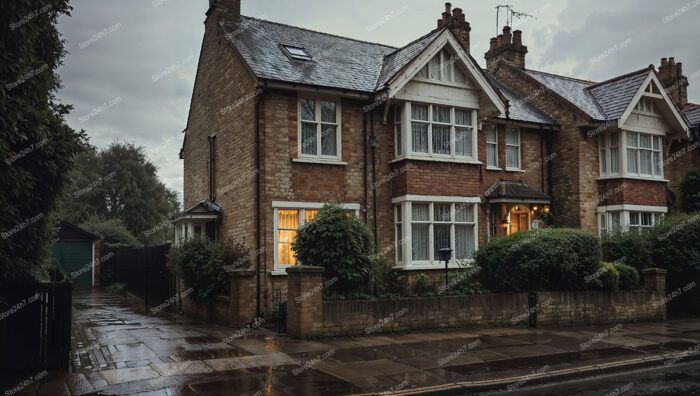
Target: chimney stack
{"type": "Point", "coordinates": [228, 10]}
{"type": "Point", "coordinates": [672, 78]}
{"type": "Point", "coordinates": [508, 46]}
{"type": "Point", "coordinates": [455, 20]}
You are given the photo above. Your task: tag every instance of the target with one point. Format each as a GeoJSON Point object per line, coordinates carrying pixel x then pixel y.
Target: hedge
{"type": "Point", "coordinates": [632, 248]}
{"type": "Point", "coordinates": [629, 276]}
{"type": "Point", "coordinates": [550, 259]}
{"type": "Point", "coordinates": [674, 245]}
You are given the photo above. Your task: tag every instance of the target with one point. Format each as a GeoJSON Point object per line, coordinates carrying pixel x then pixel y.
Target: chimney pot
{"type": "Point", "coordinates": [664, 61]}
{"type": "Point", "coordinates": [459, 14]}
{"type": "Point", "coordinates": [672, 61]}
{"type": "Point", "coordinates": [499, 40]}
{"type": "Point", "coordinates": [679, 69]}
{"type": "Point", "coordinates": [518, 37]}
{"type": "Point", "coordinates": [494, 43]}
{"type": "Point", "coordinates": [448, 8]}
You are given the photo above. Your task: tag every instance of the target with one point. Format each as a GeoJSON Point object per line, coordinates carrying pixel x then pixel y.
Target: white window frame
{"type": "Point", "coordinates": [494, 144]}
{"type": "Point", "coordinates": [623, 168]}
{"type": "Point", "coordinates": [519, 147]}
{"type": "Point", "coordinates": [407, 135]}
{"type": "Point", "coordinates": [319, 157]}
{"type": "Point", "coordinates": [279, 269]}
{"type": "Point", "coordinates": [627, 212]}
{"type": "Point", "coordinates": [399, 138]}
{"type": "Point", "coordinates": [406, 203]}
{"type": "Point", "coordinates": [444, 56]}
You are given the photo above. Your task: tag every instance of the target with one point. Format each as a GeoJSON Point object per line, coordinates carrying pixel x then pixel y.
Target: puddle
{"type": "Point", "coordinates": [207, 339]}
{"type": "Point", "coordinates": [209, 354]}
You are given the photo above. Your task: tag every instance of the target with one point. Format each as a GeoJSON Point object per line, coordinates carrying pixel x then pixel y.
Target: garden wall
{"type": "Point", "coordinates": [310, 316]}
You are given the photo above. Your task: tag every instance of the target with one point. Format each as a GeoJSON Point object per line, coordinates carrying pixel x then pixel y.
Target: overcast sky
{"type": "Point", "coordinates": [131, 64]}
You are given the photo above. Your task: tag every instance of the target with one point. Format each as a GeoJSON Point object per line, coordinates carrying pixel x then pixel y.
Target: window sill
{"type": "Point", "coordinates": [278, 272]}
{"type": "Point", "coordinates": [493, 168]}
{"type": "Point", "coordinates": [319, 161]}
{"type": "Point", "coordinates": [651, 179]}
{"type": "Point", "coordinates": [434, 266]}
{"type": "Point", "coordinates": [515, 170]}
{"type": "Point", "coordinates": [437, 159]}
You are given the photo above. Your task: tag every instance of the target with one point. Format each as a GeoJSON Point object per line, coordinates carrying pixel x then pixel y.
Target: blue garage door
{"type": "Point", "coordinates": [76, 260]}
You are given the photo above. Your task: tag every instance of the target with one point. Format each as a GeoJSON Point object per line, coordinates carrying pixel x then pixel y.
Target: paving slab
{"type": "Point", "coordinates": [272, 359]}
{"type": "Point", "coordinates": [118, 376]}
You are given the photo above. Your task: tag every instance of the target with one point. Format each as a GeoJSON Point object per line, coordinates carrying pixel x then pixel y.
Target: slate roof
{"type": "Point", "coordinates": [338, 62]}
{"type": "Point", "coordinates": [514, 190]}
{"type": "Point", "coordinates": [519, 108]}
{"type": "Point", "coordinates": [210, 206]}
{"type": "Point", "coordinates": [571, 89]}
{"type": "Point", "coordinates": [614, 96]}
{"type": "Point", "coordinates": [692, 111]}
{"type": "Point", "coordinates": [396, 60]}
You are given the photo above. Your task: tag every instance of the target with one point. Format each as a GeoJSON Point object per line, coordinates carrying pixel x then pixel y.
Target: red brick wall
{"type": "Point", "coordinates": [223, 103]}
{"type": "Point", "coordinates": [631, 192]}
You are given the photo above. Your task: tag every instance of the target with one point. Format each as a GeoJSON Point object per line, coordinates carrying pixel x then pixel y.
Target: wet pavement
{"type": "Point", "coordinates": [118, 349]}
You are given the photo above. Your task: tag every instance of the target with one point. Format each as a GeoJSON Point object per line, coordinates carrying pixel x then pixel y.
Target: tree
{"type": "Point", "coordinates": [690, 191]}
{"type": "Point", "coordinates": [37, 147]}
{"type": "Point", "coordinates": [120, 183]}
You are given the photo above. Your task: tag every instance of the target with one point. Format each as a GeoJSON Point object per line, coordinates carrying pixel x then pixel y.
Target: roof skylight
{"type": "Point", "coordinates": [297, 53]}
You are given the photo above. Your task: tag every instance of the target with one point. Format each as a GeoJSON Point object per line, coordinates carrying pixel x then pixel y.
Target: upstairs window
{"type": "Point", "coordinates": [646, 105]}
{"type": "Point", "coordinates": [512, 148]}
{"type": "Point", "coordinates": [492, 146]}
{"type": "Point", "coordinates": [443, 67]}
{"type": "Point", "coordinates": [643, 154]}
{"type": "Point", "coordinates": [296, 53]}
{"type": "Point", "coordinates": [609, 145]}
{"type": "Point", "coordinates": [319, 129]}
{"type": "Point", "coordinates": [440, 131]}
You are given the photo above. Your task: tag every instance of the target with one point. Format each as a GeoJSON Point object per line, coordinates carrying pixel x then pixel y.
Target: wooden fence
{"type": "Point", "coordinates": [143, 271]}
{"type": "Point", "coordinates": [35, 327]}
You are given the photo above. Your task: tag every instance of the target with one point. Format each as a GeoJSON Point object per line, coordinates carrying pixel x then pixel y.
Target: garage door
{"type": "Point", "coordinates": [76, 260]}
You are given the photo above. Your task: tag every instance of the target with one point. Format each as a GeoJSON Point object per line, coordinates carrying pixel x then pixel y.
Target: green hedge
{"type": "Point", "coordinates": [608, 277]}
{"type": "Point", "coordinates": [550, 259]}
{"type": "Point", "coordinates": [674, 245]}
{"type": "Point", "coordinates": [632, 248]}
{"type": "Point", "coordinates": [629, 276]}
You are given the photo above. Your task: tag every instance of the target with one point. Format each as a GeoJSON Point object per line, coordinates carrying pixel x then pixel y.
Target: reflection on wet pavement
{"type": "Point", "coordinates": [118, 349]}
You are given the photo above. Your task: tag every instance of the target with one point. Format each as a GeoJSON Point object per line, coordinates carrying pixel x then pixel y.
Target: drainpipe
{"type": "Point", "coordinates": [212, 142]}
{"type": "Point", "coordinates": [373, 145]}
{"type": "Point", "coordinates": [364, 147]}
{"type": "Point", "coordinates": [542, 158]}
{"type": "Point", "coordinates": [258, 230]}
{"type": "Point", "coordinates": [550, 179]}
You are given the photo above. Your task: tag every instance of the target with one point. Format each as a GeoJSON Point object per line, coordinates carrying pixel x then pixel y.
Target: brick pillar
{"type": "Point", "coordinates": [242, 299]}
{"type": "Point", "coordinates": [304, 301]}
{"type": "Point", "coordinates": [655, 279]}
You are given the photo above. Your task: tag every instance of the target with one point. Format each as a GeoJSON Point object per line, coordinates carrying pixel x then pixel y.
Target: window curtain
{"type": "Point", "coordinates": [420, 231]}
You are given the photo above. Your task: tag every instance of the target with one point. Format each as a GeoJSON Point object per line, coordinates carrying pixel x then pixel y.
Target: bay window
{"type": "Point", "coordinates": [512, 148]}
{"type": "Point", "coordinates": [288, 218]}
{"type": "Point", "coordinates": [432, 225]}
{"type": "Point", "coordinates": [319, 129]}
{"type": "Point", "coordinates": [439, 132]}
{"type": "Point", "coordinates": [641, 155]}
{"type": "Point", "coordinates": [623, 218]}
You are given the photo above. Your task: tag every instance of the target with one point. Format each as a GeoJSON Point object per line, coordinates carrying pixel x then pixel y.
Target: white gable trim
{"type": "Point", "coordinates": [397, 82]}
{"type": "Point", "coordinates": [641, 92]}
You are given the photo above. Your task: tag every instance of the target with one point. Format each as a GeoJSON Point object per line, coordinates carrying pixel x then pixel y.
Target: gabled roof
{"type": "Point", "coordinates": [515, 190]}
{"type": "Point", "coordinates": [615, 95]}
{"type": "Point", "coordinates": [337, 62]}
{"type": "Point", "coordinates": [692, 112]}
{"type": "Point", "coordinates": [203, 207]}
{"type": "Point", "coordinates": [396, 60]}
{"type": "Point", "coordinates": [519, 108]}
{"type": "Point", "coordinates": [571, 89]}
{"type": "Point", "coordinates": [69, 231]}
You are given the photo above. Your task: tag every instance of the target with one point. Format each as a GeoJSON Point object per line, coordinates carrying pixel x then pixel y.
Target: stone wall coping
{"type": "Point", "coordinates": [659, 271]}
{"type": "Point", "coordinates": [305, 269]}
{"type": "Point", "coordinates": [242, 272]}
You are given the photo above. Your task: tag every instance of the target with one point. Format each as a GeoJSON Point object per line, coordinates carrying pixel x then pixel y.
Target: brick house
{"type": "Point", "coordinates": [425, 146]}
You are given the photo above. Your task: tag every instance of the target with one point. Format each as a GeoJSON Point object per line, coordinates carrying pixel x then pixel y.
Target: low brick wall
{"type": "Point", "coordinates": [593, 307]}
{"type": "Point", "coordinates": [368, 317]}
{"type": "Point", "coordinates": [310, 316]}
{"type": "Point", "coordinates": [216, 311]}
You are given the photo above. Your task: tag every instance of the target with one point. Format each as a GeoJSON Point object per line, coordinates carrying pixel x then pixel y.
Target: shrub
{"type": "Point", "coordinates": [462, 281]}
{"type": "Point", "coordinates": [386, 282]}
{"type": "Point", "coordinates": [341, 244]}
{"type": "Point", "coordinates": [549, 259]}
{"type": "Point", "coordinates": [204, 265]}
{"type": "Point", "coordinates": [112, 232]}
{"type": "Point", "coordinates": [608, 277]}
{"type": "Point", "coordinates": [423, 286]}
{"type": "Point", "coordinates": [629, 276]}
{"type": "Point", "coordinates": [690, 191]}
{"type": "Point", "coordinates": [632, 248]}
{"type": "Point", "coordinates": [674, 245]}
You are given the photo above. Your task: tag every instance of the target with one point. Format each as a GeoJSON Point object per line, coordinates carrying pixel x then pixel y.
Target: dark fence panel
{"type": "Point", "coordinates": [143, 271]}
{"type": "Point", "coordinates": [35, 327]}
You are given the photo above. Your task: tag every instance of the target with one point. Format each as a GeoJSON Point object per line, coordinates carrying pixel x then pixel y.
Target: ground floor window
{"type": "Point", "coordinates": [427, 226]}
{"type": "Point", "coordinates": [633, 218]}
{"type": "Point", "coordinates": [288, 217]}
